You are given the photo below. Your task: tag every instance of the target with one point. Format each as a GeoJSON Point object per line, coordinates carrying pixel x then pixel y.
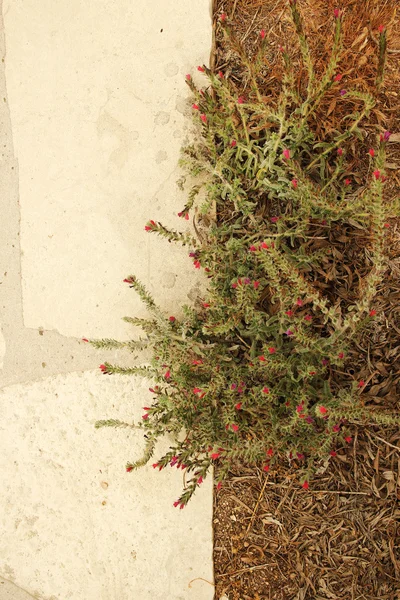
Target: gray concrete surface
{"type": "Point", "coordinates": [93, 114]}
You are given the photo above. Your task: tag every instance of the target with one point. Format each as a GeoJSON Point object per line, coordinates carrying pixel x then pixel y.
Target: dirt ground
{"type": "Point", "coordinates": [340, 539]}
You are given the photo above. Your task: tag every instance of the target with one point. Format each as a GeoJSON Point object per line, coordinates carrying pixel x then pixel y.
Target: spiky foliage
{"type": "Point", "coordinates": [246, 376]}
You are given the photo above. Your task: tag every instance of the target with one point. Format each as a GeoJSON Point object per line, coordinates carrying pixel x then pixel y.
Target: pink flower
{"type": "Point", "coordinates": [377, 174]}
{"type": "Point", "coordinates": [172, 319]}
{"type": "Point", "coordinates": [220, 74]}
{"type": "Point", "coordinates": [289, 332]}
{"type": "Point", "coordinates": [335, 428]}
{"type": "Point", "coordinates": [289, 313]}
{"type": "Point", "coordinates": [252, 249]}
{"type": "Point", "coordinates": [215, 455]}
{"type": "Point", "coordinates": [201, 69]}
{"type": "Point", "coordinates": [386, 135]}
{"type": "Point", "coordinates": [348, 439]}
{"type": "Point", "coordinates": [197, 390]}
{"type": "Point", "coordinates": [129, 280]}
{"type": "Point", "coordinates": [234, 285]}
{"type": "Point", "coordinates": [195, 106]}
{"type": "Point", "coordinates": [264, 246]}
{"type": "Point", "coordinates": [197, 362]}
{"type": "Point", "coordinates": [167, 374]}
{"type": "Point", "coordinates": [219, 485]}
{"type": "Point", "coordinates": [308, 318]}
{"type": "Point", "coordinates": [262, 34]}
{"type": "Point", "coordinates": [336, 13]}
{"type": "Point", "coordinates": [322, 410]}
{"type": "Point", "coordinates": [341, 355]}
{"type": "Point", "coordinates": [325, 361]}
{"type": "Point", "coordinates": [371, 152]}
{"type": "Point", "coordinates": [381, 28]}
{"type": "Point", "coordinates": [347, 181]}
{"type": "Point", "coordinates": [270, 452]}
{"type": "Point", "coordinates": [387, 225]}
{"type": "Point", "coordinates": [286, 154]}
{"type": "Point", "coordinates": [372, 313]}
{"type": "Point", "coordinates": [240, 100]}
{"type": "Point", "coordinates": [145, 417]}
{"type": "Point", "coordinates": [274, 219]}
{"type": "Point", "coordinates": [233, 386]}
{"type": "Point", "coordinates": [238, 406]}
{"type": "Point", "coordinates": [188, 77]}
{"type": "Point", "coordinates": [85, 340]}
{"type": "Point", "coordinates": [129, 468]}
{"type": "Point", "coordinates": [181, 506]}
{"type": "Point", "coordinates": [256, 284]}
{"type": "Point", "coordinates": [340, 151]}
{"type": "Point", "coordinates": [265, 390]}
{"type": "Point", "coordinates": [103, 368]}
{"type": "Point", "coordinates": [343, 92]}
{"type": "Point", "coordinates": [305, 485]}
{"type": "Point", "coordinates": [233, 143]}
{"type": "Point", "coordinates": [300, 456]}
{"type": "Point", "coordinates": [200, 480]}
{"type": "Point", "coordinates": [223, 17]}
{"type": "Point", "coordinates": [266, 468]}
{"type": "Point", "coordinates": [361, 383]}
{"type": "Point", "coordinates": [176, 503]}
{"type": "Point", "coordinates": [235, 427]}
{"type": "Point", "coordinates": [272, 350]}
{"type": "Point", "coordinates": [203, 118]}
{"type": "Point", "coordinates": [299, 302]}
{"type": "Point", "coordinates": [309, 419]}
{"type": "Point", "coordinates": [295, 183]}
{"type": "Point", "coordinates": [197, 264]}
{"type": "Point", "coordinates": [300, 408]}
{"type": "Point", "coordinates": [338, 77]}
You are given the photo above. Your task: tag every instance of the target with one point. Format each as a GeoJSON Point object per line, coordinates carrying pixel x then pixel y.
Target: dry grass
{"type": "Point", "coordinates": [341, 538]}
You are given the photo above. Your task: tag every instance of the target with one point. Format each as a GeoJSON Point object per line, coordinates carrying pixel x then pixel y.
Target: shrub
{"type": "Point", "coordinates": [245, 376]}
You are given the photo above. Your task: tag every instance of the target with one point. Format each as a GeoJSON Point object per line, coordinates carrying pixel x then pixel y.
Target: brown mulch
{"type": "Point", "coordinates": [341, 538]}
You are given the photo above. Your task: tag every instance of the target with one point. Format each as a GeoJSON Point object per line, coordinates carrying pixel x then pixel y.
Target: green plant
{"type": "Point", "coordinates": [245, 377]}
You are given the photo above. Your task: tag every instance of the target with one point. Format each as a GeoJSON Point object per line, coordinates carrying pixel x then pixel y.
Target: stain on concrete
{"type": "Point", "coordinates": [171, 69]}
{"type": "Point", "coordinates": [162, 118]}
{"type": "Point", "coordinates": [161, 156]}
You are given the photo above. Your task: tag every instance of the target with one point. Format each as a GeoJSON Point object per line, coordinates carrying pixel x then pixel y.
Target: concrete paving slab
{"type": "Point", "coordinates": [9, 591]}
{"type": "Point", "coordinates": [98, 107]}
{"type": "Point", "coordinates": [74, 525]}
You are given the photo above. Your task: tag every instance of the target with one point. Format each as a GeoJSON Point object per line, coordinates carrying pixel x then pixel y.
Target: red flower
{"type": "Point", "coordinates": [129, 468]}
{"type": "Point", "coordinates": [300, 408]}
{"type": "Point", "coordinates": [262, 358]}
{"type": "Point", "coordinates": [332, 453]}
{"type": "Point", "coordinates": [348, 439]}
{"type": "Point", "coordinates": [270, 452]}
{"type": "Point", "coordinates": [272, 350]}
{"type": "Point", "coordinates": [103, 368]}
{"type": "Point", "coordinates": [341, 355]}
{"type": "Point", "coordinates": [235, 427]}
{"type": "Point", "coordinates": [252, 249]}
{"type": "Point", "coordinates": [197, 362]}
{"type": "Point", "coordinates": [266, 468]}
{"type": "Point", "coordinates": [377, 174]}
{"type": "Point", "coordinates": [336, 13]}
{"type": "Point", "coordinates": [201, 69]}
{"type": "Point", "coordinates": [381, 28]}
{"type": "Point", "coordinates": [129, 280]}
{"type": "Point", "coordinates": [305, 485]}
{"type": "Point", "coordinates": [300, 456]}
{"type": "Point", "coordinates": [295, 183]}
{"type": "Point", "coordinates": [176, 503]}
{"type": "Point", "coordinates": [387, 225]}
{"type": "Point", "coordinates": [233, 143]}
{"type": "Point", "coordinates": [167, 374]}
{"type": "Point", "coordinates": [347, 181]}
{"type": "Point", "coordinates": [371, 152]}
{"type": "Point", "coordinates": [338, 77]}
{"type": "Point", "coordinates": [289, 332]}
{"type": "Point", "coordinates": [238, 406]}
{"type": "Point", "coordinates": [197, 264]}
{"type": "Point", "coordinates": [312, 373]}
{"type": "Point", "coordinates": [223, 17]}
{"type": "Point", "coordinates": [361, 383]}
{"type": "Point", "coordinates": [145, 417]}
{"type": "Point", "coordinates": [372, 313]}
{"type": "Point", "coordinates": [322, 410]}
{"type": "Point", "coordinates": [299, 302]}
{"type": "Point", "coordinates": [203, 118]}
{"type": "Point", "coordinates": [150, 226]}
{"type": "Point", "coordinates": [262, 34]}
{"type": "Point", "coordinates": [155, 465]}
{"type": "Point", "coordinates": [220, 74]}
{"type": "Point", "coordinates": [274, 219]}
{"type": "Point", "coordinates": [172, 319]}
{"type": "Point", "coordinates": [197, 390]}
{"type": "Point", "coordinates": [233, 386]}
{"type": "Point", "coordinates": [240, 100]}
{"type": "Point", "coordinates": [343, 92]}
{"type": "Point", "coordinates": [256, 284]}
{"type": "Point", "coordinates": [181, 506]}
{"type": "Point", "coordinates": [200, 480]}
{"type": "Point", "coordinates": [206, 305]}
{"type": "Point", "coordinates": [215, 455]}
{"type": "Point", "coordinates": [289, 313]}
{"type": "Point", "coordinates": [195, 106]}
{"type": "Point", "coordinates": [219, 485]}
{"type": "Point", "coordinates": [266, 390]}
{"type": "Point", "coordinates": [85, 340]}
{"type": "Point", "coordinates": [308, 318]}
{"type": "Point", "coordinates": [188, 77]}
{"type": "Point", "coordinates": [340, 151]}
{"type": "Point", "coordinates": [264, 246]}
{"type": "Point", "coordinates": [286, 153]}
{"type": "Point", "coordinates": [336, 428]}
